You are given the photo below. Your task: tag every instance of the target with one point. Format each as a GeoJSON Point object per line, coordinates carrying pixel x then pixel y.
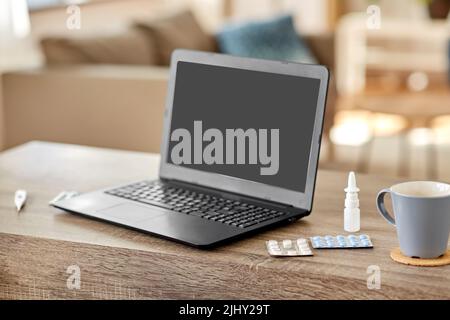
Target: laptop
{"type": "Point", "coordinates": [239, 152]}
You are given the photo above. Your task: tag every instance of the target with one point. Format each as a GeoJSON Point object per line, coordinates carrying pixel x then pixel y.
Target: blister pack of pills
{"type": "Point", "coordinates": [289, 248]}
{"type": "Point", "coordinates": [342, 242]}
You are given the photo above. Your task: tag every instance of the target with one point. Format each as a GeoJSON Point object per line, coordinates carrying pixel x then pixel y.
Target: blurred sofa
{"type": "Point", "coordinates": [100, 105]}
{"type": "Point", "coordinates": [112, 104]}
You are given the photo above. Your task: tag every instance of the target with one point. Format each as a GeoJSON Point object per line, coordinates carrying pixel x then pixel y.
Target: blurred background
{"type": "Point", "coordinates": [94, 72]}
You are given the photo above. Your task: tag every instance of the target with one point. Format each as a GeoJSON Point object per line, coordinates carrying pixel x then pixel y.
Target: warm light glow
{"type": "Point", "coordinates": [356, 127]}
{"type": "Point", "coordinates": [351, 115]}
{"type": "Point", "coordinates": [387, 124]}
{"type": "Point", "coordinates": [441, 128]}
{"type": "Point", "coordinates": [352, 128]}
{"type": "Point", "coordinates": [351, 134]}
{"type": "Point", "coordinates": [442, 121]}
{"type": "Point", "coordinates": [421, 136]}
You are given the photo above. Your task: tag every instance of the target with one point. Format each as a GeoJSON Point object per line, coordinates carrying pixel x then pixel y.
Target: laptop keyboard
{"type": "Point", "coordinates": [207, 206]}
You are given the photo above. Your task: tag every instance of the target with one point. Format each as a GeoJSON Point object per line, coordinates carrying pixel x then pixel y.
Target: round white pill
{"type": "Point", "coordinates": [287, 244]}
{"type": "Point", "coordinates": [273, 243]}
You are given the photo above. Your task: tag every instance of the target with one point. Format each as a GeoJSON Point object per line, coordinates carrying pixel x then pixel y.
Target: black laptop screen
{"type": "Point", "coordinates": [251, 125]}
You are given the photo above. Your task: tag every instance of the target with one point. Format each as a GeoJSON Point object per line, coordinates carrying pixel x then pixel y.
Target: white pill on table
{"type": "Point", "coordinates": [287, 244]}
{"type": "Point", "coordinates": [273, 243]}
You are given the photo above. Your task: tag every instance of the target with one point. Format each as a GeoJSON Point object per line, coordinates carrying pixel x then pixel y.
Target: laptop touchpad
{"type": "Point", "coordinates": [129, 212]}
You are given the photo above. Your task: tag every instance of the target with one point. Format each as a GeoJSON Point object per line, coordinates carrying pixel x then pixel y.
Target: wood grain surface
{"type": "Point", "coordinates": [40, 247]}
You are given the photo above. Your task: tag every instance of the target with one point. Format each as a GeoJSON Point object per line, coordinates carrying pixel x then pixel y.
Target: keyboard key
{"type": "Point", "coordinates": [226, 211]}
{"type": "Point", "coordinates": [248, 224]}
{"type": "Point", "coordinates": [155, 203]}
{"type": "Point", "coordinates": [262, 219]}
{"type": "Point", "coordinates": [197, 213]}
{"type": "Point", "coordinates": [214, 213]}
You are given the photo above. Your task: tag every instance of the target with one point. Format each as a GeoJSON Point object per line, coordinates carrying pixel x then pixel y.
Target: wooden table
{"type": "Point", "coordinates": [42, 248]}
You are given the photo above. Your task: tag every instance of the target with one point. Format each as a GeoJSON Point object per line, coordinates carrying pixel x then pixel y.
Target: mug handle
{"type": "Point", "coordinates": [381, 207]}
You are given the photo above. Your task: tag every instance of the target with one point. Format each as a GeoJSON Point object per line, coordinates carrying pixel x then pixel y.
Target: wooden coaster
{"type": "Point", "coordinates": [398, 256]}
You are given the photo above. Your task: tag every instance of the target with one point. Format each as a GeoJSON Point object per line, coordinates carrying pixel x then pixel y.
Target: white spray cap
{"type": "Point", "coordinates": [351, 184]}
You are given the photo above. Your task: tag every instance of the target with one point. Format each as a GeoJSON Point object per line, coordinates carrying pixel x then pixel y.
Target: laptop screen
{"type": "Point", "coordinates": [251, 125]}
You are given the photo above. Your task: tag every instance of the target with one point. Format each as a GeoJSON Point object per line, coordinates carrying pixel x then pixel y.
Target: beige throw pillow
{"type": "Point", "coordinates": [130, 47]}
{"type": "Point", "coordinates": [178, 30]}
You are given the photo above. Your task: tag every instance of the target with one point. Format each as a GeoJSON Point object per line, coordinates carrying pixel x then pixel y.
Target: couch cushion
{"type": "Point", "coordinates": [178, 30]}
{"type": "Point", "coordinates": [129, 47]}
{"type": "Point", "coordinates": [270, 39]}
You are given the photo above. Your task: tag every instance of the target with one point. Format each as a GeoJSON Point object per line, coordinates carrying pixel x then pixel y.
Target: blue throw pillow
{"type": "Point", "coordinates": [274, 39]}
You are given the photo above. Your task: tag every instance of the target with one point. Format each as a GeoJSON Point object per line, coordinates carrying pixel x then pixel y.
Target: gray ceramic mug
{"type": "Point", "coordinates": [422, 216]}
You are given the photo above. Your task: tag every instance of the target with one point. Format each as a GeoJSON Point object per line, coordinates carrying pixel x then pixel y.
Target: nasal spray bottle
{"type": "Point", "coordinates": [351, 211]}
